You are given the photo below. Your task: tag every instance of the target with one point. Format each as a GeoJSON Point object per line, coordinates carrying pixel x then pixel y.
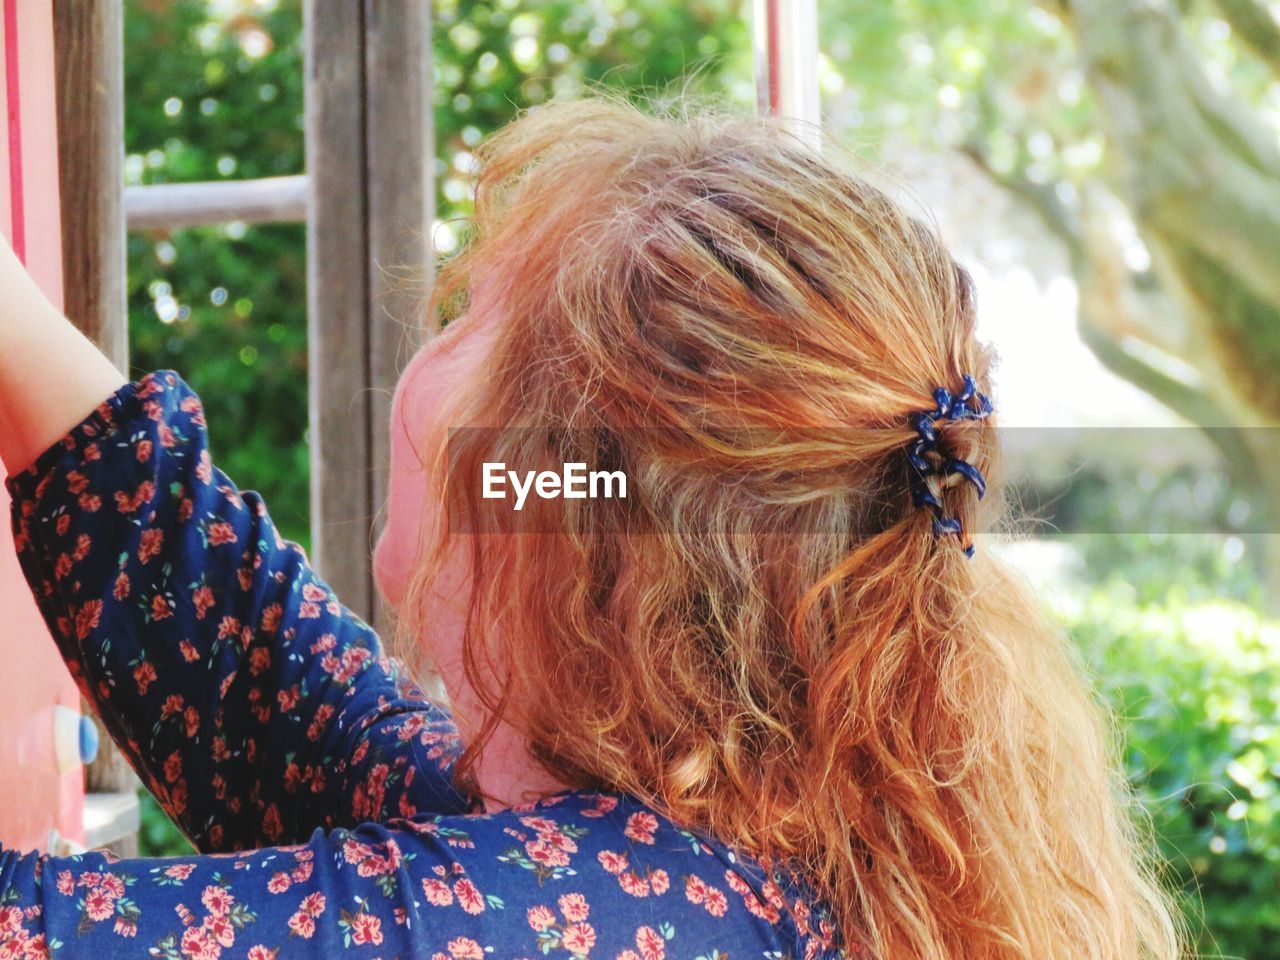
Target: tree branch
{"type": "Point", "coordinates": [1182, 398]}
{"type": "Point", "coordinates": [1253, 23]}
{"type": "Point", "coordinates": [1202, 176]}
{"type": "Point", "coordinates": [1135, 304]}
{"type": "Point", "coordinates": [1115, 308]}
{"type": "Point", "coordinates": [1041, 198]}
{"type": "Point", "coordinates": [1138, 47]}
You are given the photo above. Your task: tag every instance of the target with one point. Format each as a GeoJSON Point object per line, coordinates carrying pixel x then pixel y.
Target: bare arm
{"type": "Point", "coordinates": [39, 346]}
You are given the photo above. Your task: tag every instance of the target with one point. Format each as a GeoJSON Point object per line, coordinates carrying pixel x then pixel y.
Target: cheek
{"type": "Point", "coordinates": [420, 418]}
{"type": "Point", "coordinates": [397, 551]}
{"type": "Point", "coordinates": [411, 512]}
{"type": "Point", "coordinates": [414, 516]}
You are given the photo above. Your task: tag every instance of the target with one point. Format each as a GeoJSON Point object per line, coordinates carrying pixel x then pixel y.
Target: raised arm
{"type": "Point", "coordinates": [255, 706]}
{"type": "Point", "coordinates": [40, 348]}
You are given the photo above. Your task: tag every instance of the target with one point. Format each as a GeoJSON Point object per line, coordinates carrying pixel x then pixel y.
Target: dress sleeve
{"type": "Point", "coordinates": [586, 876]}
{"type": "Point", "coordinates": [253, 704]}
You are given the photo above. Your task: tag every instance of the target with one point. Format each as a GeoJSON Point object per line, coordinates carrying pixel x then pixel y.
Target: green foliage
{"type": "Point", "coordinates": [225, 306]}
{"type": "Point", "coordinates": [157, 834]}
{"type": "Point", "coordinates": [1002, 77]}
{"type": "Point", "coordinates": [1194, 682]}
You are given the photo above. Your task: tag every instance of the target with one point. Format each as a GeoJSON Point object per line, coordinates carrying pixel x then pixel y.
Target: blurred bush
{"type": "Point", "coordinates": [1196, 683]}
{"type": "Point", "coordinates": [1135, 527]}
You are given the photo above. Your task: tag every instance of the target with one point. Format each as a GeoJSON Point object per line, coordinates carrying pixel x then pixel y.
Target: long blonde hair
{"type": "Point", "coordinates": [800, 665]}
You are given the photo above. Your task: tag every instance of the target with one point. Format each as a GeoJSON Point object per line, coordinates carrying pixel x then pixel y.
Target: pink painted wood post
{"type": "Point", "coordinates": [35, 798]}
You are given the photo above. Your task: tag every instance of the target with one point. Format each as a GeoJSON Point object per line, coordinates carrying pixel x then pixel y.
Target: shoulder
{"type": "Point", "coordinates": [603, 872]}
{"type": "Point", "coordinates": [574, 876]}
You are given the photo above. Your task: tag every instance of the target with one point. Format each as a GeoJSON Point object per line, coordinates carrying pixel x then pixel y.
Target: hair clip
{"type": "Point", "coordinates": [968, 404]}
{"type": "Point", "coordinates": [922, 496]}
{"type": "Point", "coordinates": [969, 471]}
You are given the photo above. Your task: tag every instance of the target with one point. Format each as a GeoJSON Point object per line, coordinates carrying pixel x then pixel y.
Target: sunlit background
{"type": "Point", "coordinates": [1109, 171]}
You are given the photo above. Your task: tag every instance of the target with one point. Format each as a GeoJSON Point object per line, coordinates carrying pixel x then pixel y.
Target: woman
{"type": "Point", "coordinates": [773, 703]}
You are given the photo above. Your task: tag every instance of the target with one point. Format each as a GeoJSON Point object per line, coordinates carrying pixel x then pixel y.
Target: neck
{"type": "Point", "coordinates": [509, 776]}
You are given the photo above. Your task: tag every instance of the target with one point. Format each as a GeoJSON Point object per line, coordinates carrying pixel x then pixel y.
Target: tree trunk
{"type": "Point", "coordinates": [1200, 175]}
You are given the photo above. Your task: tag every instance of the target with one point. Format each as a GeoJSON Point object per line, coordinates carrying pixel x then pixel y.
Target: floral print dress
{"type": "Point", "coordinates": [310, 772]}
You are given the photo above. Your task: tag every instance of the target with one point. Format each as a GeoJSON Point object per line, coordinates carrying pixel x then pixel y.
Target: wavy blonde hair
{"type": "Point", "coordinates": [775, 647]}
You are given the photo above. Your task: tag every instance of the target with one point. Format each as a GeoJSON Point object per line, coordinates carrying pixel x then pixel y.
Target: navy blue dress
{"type": "Point", "coordinates": [311, 773]}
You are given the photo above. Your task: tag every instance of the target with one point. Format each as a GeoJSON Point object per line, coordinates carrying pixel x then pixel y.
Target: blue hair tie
{"type": "Point", "coordinates": [968, 404]}
{"type": "Point", "coordinates": [969, 471]}
{"type": "Point", "coordinates": [917, 456]}
{"type": "Point", "coordinates": [923, 496]}
{"type": "Point", "coordinates": [946, 525]}
{"type": "Point", "coordinates": [925, 427]}
{"type": "Point", "coordinates": [942, 397]}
